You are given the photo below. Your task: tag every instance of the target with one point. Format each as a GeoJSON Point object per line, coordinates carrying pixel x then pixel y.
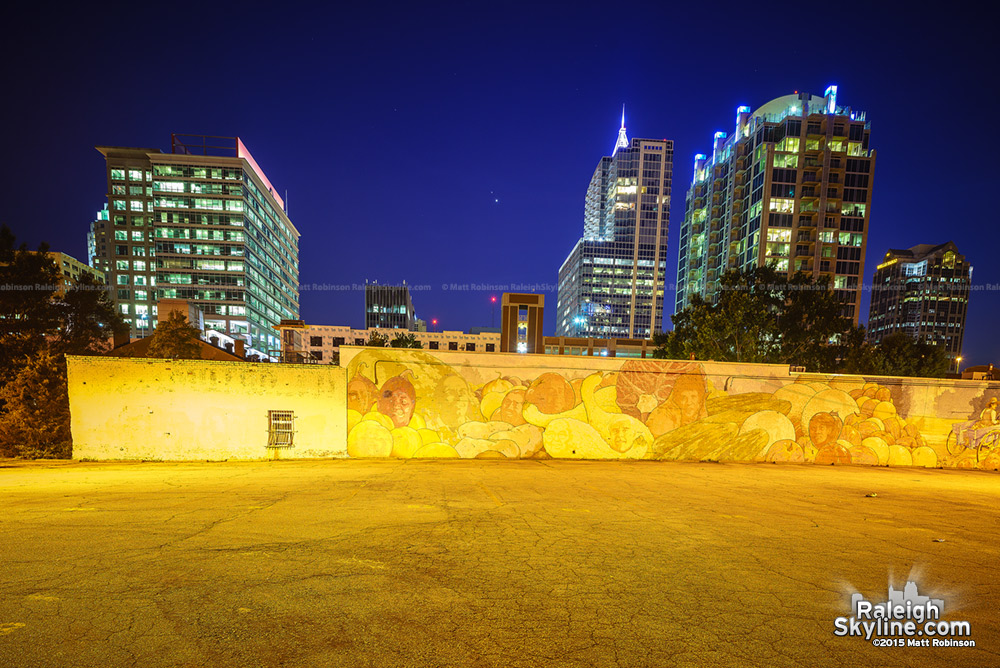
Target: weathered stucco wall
{"type": "Point", "coordinates": [387, 402]}
{"type": "Point", "coordinates": [412, 403]}
{"type": "Point", "coordinates": [129, 408]}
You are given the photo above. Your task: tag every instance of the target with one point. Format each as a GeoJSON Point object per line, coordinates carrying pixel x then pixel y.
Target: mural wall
{"type": "Point", "coordinates": [416, 404]}
{"type": "Point", "coordinates": [388, 402]}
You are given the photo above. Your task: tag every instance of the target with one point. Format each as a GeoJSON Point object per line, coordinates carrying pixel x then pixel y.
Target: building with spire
{"type": "Point", "coordinates": [922, 291]}
{"type": "Point", "coordinates": [791, 186]}
{"type": "Point", "coordinates": [611, 284]}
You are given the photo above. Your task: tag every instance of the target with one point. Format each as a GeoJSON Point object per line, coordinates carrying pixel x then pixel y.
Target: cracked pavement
{"type": "Point", "coordinates": [482, 563]}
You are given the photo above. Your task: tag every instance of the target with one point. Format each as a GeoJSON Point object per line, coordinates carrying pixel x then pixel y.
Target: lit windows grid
{"type": "Point", "coordinates": [264, 251]}
{"type": "Point", "coordinates": [629, 221]}
{"type": "Point", "coordinates": [925, 298]}
{"type": "Point", "coordinates": [188, 203]}
{"type": "Point", "coordinates": [762, 171]}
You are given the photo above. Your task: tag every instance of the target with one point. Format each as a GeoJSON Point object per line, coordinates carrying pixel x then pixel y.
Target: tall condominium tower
{"type": "Point", "coordinates": [792, 185]}
{"type": "Point", "coordinates": [611, 285]}
{"type": "Point", "coordinates": [924, 292]}
{"type": "Point", "coordinates": [97, 241]}
{"type": "Point", "coordinates": [389, 306]}
{"type": "Point", "coordinates": [201, 223]}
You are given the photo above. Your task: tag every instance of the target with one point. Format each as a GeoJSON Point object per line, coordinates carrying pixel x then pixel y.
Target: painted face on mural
{"type": "Point", "coordinates": [452, 399]}
{"type": "Point", "coordinates": [688, 395]}
{"type": "Point", "coordinates": [622, 435]}
{"type": "Point", "coordinates": [560, 436]}
{"type": "Point", "coordinates": [689, 403]}
{"type": "Point", "coordinates": [397, 400]}
{"type": "Point", "coordinates": [360, 394]}
{"type": "Point", "coordinates": [824, 428]}
{"type": "Point", "coordinates": [398, 406]}
{"type": "Point", "coordinates": [512, 407]}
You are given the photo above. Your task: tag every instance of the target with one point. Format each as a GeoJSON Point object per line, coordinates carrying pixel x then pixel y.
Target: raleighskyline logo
{"type": "Point", "coordinates": [905, 618]}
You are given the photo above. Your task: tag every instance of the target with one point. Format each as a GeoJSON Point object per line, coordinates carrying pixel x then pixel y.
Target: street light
{"type": "Point", "coordinates": [958, 364]}
{"type": "Point", "coordinates": [493, 312]}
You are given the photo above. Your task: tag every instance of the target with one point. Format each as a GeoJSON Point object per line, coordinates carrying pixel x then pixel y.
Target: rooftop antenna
{"type": "Point", "coordinates": [622, 139]}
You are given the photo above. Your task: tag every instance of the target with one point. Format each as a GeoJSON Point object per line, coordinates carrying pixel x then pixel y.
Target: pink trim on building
{"type": "Point", "coordinates": [243, 152]}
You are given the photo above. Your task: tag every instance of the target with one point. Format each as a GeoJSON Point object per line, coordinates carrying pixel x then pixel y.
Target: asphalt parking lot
{"type": "Point", "coordinates": [483, 563]}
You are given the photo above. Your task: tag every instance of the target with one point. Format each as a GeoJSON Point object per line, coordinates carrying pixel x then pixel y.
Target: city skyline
{"type": "Point", "coordinates": [529, 104]}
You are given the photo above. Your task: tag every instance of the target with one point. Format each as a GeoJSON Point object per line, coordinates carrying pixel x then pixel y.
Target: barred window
{"type": "Point", "coordinates": [280, 429]}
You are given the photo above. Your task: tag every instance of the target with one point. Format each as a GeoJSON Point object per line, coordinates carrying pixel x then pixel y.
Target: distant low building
{"type": "Point", "coordinates": [521, 332]}
{"type": "Point", "coordinates": [216, 345]}
{"type": "Point", "coordinates": [568, 345]}
{"type": "Point", "coordinates": [980, 372]}
{"type": "Point", "coordinates": [72, 270]}
{"type": "Point", "coordinates": [389, 307]}
{"type": "Point", "coordinates": [320, 344]}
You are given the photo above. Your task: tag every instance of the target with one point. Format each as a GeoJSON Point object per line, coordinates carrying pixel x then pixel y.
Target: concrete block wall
{"type": "Point", "coordinates": [136, 409]}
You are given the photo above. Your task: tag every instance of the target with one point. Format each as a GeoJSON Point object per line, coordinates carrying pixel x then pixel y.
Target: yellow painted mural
{"type": "Point", "coordinates": [416, 404]}
{"type": "Point", "coordinates": [405, 404]}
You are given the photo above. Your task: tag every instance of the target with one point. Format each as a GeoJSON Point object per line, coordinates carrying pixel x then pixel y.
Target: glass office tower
{"type": "Point", "coordinates": [201, 223]}
{"type": "Point", "coordinates": [611, 284]}
{"type": "Point", "coordinates": [923, 292]}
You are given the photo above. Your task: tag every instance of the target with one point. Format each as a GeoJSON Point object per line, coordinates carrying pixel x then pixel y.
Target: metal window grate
{"type": "Point", "coordinates": [280, 429]}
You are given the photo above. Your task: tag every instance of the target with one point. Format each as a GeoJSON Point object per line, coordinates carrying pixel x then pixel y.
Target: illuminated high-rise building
{"type": "Point", "coordinates": [97, 241]}
{"type": "Point", "coordinates": [923, 292]}
{"type": "Point", "coordinates": [201, 223]}
{"type": "Point", "coordinates": [791, 186]}
{"type": "Point", "coordinates": [611, 284]}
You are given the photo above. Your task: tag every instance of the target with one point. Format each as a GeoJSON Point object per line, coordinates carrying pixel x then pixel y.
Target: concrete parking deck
{"type": "Point", "coordinates": [482, 563]}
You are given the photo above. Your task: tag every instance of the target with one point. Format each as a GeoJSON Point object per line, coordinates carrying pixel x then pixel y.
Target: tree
{"type": "Point", "coordinates": [740, 326]}
{"type": "Point", "coordinates": [899, 355]}
{"type": "Point", "coordinates": [28, 282]}
{"type": "Point", "coordinates": [812, 328]}
{"type": "Point", "coordinates": [405, 341]}
{"type": "Point", "coordinates": [36, 420]}
{"type": "Point", "coordinates": [36, 327]}
{"type": "Point", "coordinates": [376, 340]}
{"type": "Point", "coordinates": [761, 315]}
{"type": "Point", "coordinates": [89, 319]}
{"type": "Point", "coordinates": [175, 338]}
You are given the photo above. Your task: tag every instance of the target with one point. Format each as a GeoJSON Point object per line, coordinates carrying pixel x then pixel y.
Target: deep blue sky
{"type": "Point", "coordinates": [453, 143]}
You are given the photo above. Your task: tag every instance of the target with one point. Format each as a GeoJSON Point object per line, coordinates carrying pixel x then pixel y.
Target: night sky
{"type": "Point", "coordinates": [447, 144]}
